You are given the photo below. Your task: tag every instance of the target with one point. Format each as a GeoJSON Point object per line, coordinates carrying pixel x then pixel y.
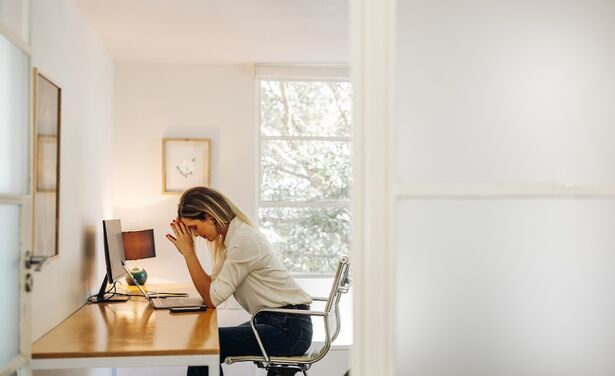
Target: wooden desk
{"type": "Point", "coordinates": [130, 334]}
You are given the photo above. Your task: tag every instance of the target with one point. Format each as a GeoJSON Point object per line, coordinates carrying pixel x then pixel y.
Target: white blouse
{"type": "Point", "coordinates": [253, 274]}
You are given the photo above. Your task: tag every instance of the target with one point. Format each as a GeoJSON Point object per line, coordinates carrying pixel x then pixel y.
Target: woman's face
{"type": "Point", "coordinates": [204, 228]}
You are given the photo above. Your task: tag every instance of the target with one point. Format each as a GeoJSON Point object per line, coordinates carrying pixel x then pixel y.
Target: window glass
{"type": "Point", "coordinates": [305, 171]}
{"type": "Point", "coordinates": [14, 118]}
{"type": "Point", "coordinates": [308, 239]}
{"type": "Point", "coordinates": [306, 108]}
{"type": "Point", "coordinates": [9, 278]}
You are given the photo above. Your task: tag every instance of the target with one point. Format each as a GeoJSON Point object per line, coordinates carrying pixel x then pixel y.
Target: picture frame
{"type": "Point", "coordinates": [46, 162]}
{"type": "Point", "coordinates": [47, 116]}
{"type": "Point", "coordinates": [186, 163]}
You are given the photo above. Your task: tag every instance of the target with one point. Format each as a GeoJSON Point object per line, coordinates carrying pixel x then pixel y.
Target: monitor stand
{"type": "Point", "coordinates": [101, 297]}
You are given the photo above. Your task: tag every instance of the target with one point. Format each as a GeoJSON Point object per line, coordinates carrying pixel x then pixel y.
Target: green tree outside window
{"type": "Point", "coordinates": [305, 171]}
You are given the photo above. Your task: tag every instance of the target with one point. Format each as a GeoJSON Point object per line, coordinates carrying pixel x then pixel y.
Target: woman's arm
{"type": "Point", "coordinates": [184, 242]}
{"type": "Point", "coordinates": [242, 256]}
{"type": "Point", "coordinates": [201, 280]}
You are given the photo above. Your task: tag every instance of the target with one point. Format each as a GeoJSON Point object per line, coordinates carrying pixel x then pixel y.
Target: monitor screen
{"type": "Point", "coordinates": [114, 249]}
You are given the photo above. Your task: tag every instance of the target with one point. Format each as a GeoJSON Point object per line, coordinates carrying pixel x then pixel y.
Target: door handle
{"type": "Point", "coordinates": [37, 261]}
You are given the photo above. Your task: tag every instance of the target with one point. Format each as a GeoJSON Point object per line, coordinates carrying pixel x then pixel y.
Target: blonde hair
{"type": "Point", "coordinates": [203, 203]}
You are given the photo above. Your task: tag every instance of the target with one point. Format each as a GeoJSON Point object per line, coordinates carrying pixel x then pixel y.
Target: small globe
{"type": "Point", "coordinates": [139, 274]}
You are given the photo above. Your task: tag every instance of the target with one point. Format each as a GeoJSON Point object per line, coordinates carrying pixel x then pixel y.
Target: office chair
{"type": "Point", "coordinates": [290, 365]}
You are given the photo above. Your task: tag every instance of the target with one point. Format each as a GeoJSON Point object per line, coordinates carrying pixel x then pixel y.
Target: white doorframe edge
{"type": "Point", "coordinates": [373, 25]}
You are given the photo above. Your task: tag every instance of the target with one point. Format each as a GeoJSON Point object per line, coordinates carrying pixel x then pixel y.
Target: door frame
{"type": "Point", "coordinates": [373, 30]}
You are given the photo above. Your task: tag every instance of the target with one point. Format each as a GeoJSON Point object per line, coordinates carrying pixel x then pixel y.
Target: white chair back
{"type": "Point", "coordinates": [341, 285]}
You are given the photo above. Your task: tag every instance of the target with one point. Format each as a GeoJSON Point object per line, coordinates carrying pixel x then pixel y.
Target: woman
{"type": "Point", "coordinates": [243, 266]}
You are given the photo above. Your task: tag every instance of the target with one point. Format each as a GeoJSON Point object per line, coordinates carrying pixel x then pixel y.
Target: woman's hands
{"type": "Point", "coordinates": [183, 239]}
{"type": "Point", "coordinates": [184, 242]}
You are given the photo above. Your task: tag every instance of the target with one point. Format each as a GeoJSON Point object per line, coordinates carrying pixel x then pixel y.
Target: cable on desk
{"type": "Point", "coordinates": [119, 281]}
{"type": "Point", "coordinates": [111, 290]}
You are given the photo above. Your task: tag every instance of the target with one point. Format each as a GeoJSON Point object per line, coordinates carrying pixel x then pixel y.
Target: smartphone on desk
{"type": "Point", "coordinates": [197, 308]}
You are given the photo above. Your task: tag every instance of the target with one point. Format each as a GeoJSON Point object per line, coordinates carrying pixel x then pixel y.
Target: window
{"type": "Point", "coordinates": [305, 171]}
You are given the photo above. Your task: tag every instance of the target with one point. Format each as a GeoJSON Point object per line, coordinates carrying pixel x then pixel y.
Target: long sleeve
{"type": "Point", "coordinates": [240, 260]}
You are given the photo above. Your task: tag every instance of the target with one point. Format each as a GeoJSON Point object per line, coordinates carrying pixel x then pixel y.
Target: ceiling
{"type": "Point", "coordinates": [222, 32]}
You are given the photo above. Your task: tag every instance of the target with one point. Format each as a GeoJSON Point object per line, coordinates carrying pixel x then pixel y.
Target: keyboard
{"type": "Point", "coordinates": [162, 303]}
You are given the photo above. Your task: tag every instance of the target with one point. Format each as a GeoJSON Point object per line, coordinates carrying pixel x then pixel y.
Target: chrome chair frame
{"type": "Point", "coordinates": [289, 365]}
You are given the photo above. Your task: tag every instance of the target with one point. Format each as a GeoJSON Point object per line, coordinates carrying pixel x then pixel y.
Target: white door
{"type": "Point", "coordinates": [14, 316]}
{"type": "Point", "coordinates": [15, 186]}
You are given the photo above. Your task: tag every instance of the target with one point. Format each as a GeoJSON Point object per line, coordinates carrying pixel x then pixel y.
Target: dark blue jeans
{"type": "Point", "coordinates": [282, 335]}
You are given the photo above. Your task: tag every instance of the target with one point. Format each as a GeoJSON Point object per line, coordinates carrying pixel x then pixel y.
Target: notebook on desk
{"type": "Point", "coordinates": [166, 300]}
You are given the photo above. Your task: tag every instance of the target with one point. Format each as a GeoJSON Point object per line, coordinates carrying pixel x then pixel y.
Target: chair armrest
{"type": "Point", "coordinates": [280, 310]}
{"type": "Point", "coordinates": [320, 299]}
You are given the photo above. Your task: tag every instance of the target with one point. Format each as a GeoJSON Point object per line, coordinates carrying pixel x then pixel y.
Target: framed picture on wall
{"type": "Point", "coordinates": [47, 116]}
{"type": "Point", "coordinates": [186, 163]}
{"type": "Point", "coordinates": [46, 163]}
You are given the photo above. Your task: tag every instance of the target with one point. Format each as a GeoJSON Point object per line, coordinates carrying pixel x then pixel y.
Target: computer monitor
{"type": "Point", "coordinates": [114, 258]}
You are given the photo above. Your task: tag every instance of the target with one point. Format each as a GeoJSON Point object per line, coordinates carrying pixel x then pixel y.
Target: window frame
{"type": "Point", "coordinates": [296, 76]}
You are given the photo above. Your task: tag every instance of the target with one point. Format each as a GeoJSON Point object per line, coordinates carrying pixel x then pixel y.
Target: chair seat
{"type": "Point", "coordinates": [309, 357]}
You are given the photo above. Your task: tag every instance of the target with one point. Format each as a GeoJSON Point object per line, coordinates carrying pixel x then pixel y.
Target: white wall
{"type": "Point", "coordinates": [201, 101]}
{"type": "Point", "coordinates": [67, 50]}
{"type": "Point", "coordinates": [495, 97]}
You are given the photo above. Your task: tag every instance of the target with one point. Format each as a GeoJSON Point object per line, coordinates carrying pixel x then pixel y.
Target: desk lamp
{"type": "Point", "coordinates": [138, 245]}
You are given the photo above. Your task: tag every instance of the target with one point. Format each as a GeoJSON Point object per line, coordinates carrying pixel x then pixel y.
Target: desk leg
{"type": "Point", "coordinates": [214, 370]}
